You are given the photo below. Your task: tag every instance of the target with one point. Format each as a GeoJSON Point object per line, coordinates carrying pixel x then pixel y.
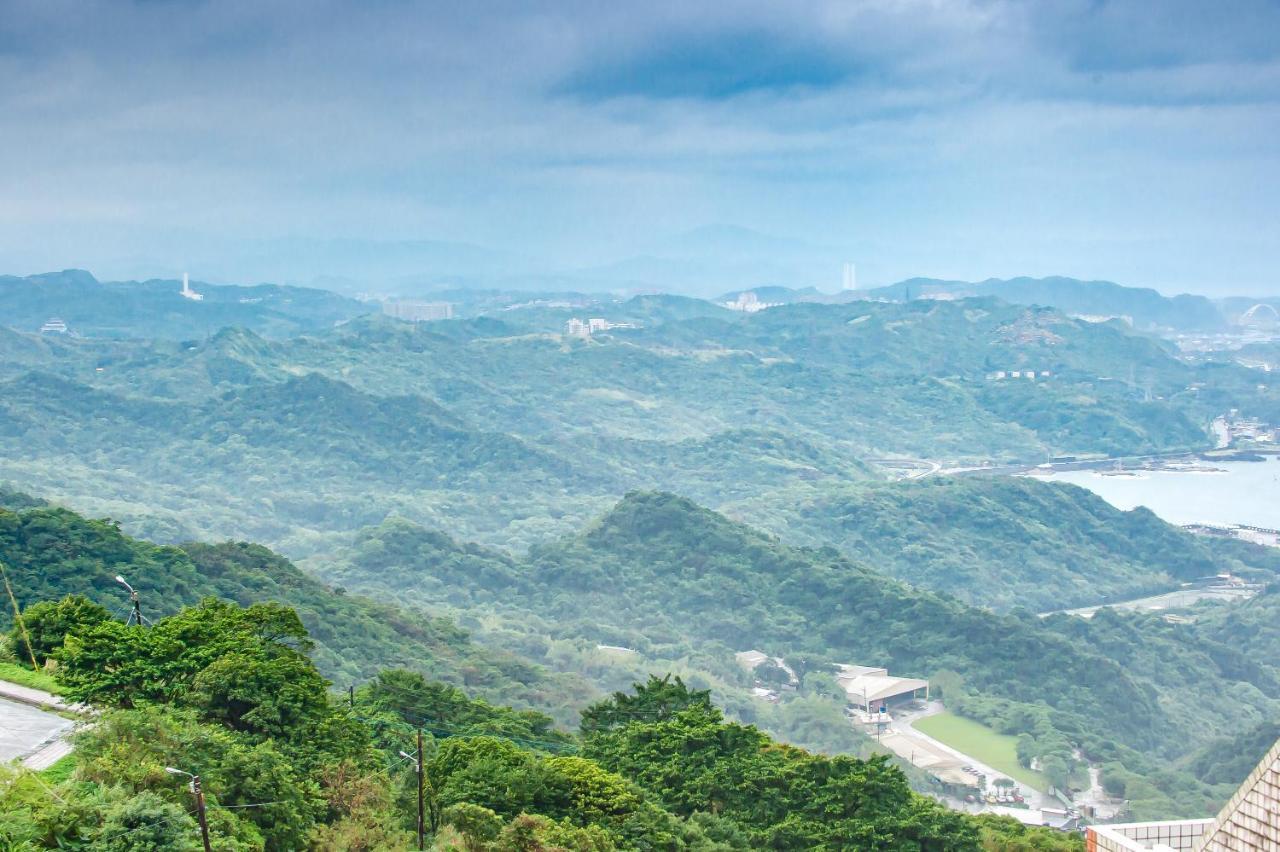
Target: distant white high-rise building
{"type": "Point", "coordinates": [418, 311]}
{"type": "Point", "coordinates": [188, 293]}
{"type": "Point", "coordinates": [850, 277]}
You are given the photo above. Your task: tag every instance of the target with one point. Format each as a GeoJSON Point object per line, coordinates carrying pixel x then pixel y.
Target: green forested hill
{"type": "Point", "coordinates": [677, 582]}
{"type": "Point", "coordinates": [1002, 541]}
{"type": "Point", "coordinates": [505, 431]}
{"type": "Point", "coordinates": [52, 552]}
{"type": "Point", "coordinates": [283, 764]}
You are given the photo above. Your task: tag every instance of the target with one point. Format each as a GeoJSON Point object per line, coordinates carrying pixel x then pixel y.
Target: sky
{"type": "Point", "coordinates": [255, 140]}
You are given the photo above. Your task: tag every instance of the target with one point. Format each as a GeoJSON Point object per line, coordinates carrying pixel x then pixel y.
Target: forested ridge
{"type": "Point", "coordinates": [230, 692]}
{"type": "Point", "coordinates": [679, 583]}
{"type": "Point", "coordinates": [1005, 542]}
{"type": "Point", "coordinates": [460, 488]}
{"type": "Point", "coordinates": [508, 432]}
{"type": "Point", "coordinates": [51, 552]}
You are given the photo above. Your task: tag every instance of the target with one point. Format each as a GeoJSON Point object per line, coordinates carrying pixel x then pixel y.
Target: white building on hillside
{"type": "Point", "coordinates": [869, 687]}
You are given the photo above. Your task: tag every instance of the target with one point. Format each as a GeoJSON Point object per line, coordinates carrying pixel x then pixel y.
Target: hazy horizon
{"type": "Point", "coordinates": [287, 142]}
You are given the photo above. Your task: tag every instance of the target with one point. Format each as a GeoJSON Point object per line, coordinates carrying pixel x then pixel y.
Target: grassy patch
{"type": "Point", "coordinates": [60, 771]}
{"type": "Point", "coordinates": [24, 676]}
{"type": "Point", "coordinates": [999, 751]}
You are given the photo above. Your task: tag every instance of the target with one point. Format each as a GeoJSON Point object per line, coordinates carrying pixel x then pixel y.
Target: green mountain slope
{"type": "Point", "coordinates": [506, 434]}
{"type": "Point", "coordinates": [52, 552]}
{"type": "Point", "coordinates": [675, 581]}
{"type": "Point", "coordinates": [1002, 541]}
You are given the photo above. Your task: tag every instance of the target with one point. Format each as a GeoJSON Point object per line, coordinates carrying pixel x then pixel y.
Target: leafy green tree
{"type": "Point", "coordinates": [657, 699]}
{"type": "Point", "coordinates": [478, 825]}
{"type": "Point", "coordinates": [772, 673]}
{"type": "Point", "coordinates": [147, 823]}
{"type": "Point", "coordinates": [48, 623]}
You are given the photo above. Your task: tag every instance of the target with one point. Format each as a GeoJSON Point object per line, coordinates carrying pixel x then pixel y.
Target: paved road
{"type": "Point", "coordinates": [25, 729]}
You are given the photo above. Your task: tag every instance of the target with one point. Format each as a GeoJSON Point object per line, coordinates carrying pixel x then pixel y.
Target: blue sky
{"type": "Point", "coordinates": [1132, 141]}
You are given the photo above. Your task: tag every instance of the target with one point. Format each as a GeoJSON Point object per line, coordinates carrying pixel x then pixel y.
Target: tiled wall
{"type": "Point", "coordinates": [1179, 834]}
{"type": "Point", "coordinates": [1251, 820]}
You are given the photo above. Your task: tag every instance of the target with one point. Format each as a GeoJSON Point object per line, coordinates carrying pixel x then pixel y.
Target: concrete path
{"type": "Point", "coordinates": [35, 697]}
{"type": "Point", "coordinates": [48, 754]}
{"type": "Point", "coordinates": [25, 729]}
{"type": "Point", "coordinates": [28, 730]}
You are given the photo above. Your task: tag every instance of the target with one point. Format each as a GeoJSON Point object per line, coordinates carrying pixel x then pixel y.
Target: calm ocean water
{"type": "Point", "coordinates": [1247, 493]}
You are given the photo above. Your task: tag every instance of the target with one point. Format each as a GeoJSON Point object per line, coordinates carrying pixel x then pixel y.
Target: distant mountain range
{"type": "Point", "coordinates": [1143, 307]}
{"type": "Point", "coordinates": [157, 308]}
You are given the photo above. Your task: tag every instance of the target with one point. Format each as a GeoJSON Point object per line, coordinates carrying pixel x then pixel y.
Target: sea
{"type": "Point", "coordinates": [1239, 493]}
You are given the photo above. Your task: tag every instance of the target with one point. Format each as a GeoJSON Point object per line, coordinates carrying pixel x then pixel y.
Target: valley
{"type": "Point", "coordinates": [542, 519]}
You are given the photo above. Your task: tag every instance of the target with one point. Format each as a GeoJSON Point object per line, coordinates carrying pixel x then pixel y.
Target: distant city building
{"type": "Point", "coordinates": [1095, 318]}
{"type": "Point", "coordinates": [749, 303]}
{"type": "Point", "coordinates": [188, 293]}
{"type": "Point", "coordinates": [850, 277]}
{"type": "Point", "coordinates": [577, 328]}
{"type": "Point", "coordinates": [1000, 375]}
{"type": "Point", "coordinates": [418, 311]}
{"type": "Point", "coordinates": [53, 325]}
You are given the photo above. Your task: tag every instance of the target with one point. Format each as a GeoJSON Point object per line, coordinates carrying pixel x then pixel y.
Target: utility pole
{"type": "Point", "coordinates": [198, 793]}
{"type": "Point", "coordinates": [417, 766]}
{"type": "Point", "coordinates": [351, 696]}
{"type": "Point", "coordinates": [200, 814]}
{"type": "Point", "coordinates": [421, 800]}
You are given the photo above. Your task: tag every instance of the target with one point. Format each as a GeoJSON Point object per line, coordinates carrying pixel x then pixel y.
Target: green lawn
{"type": "Point", "coordinates": [980, 742]}
{"type": "Point", "coordinates": [24, 676]}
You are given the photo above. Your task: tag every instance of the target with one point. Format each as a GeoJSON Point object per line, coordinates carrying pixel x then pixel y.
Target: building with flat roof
{"type": "Point", "coordinates": [869, 686]}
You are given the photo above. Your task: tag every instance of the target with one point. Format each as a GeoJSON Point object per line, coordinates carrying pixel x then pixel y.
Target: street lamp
{"type": "Point", "coordinates": [135, 617]}
{"type": "Point", "coordinates": [197, 793]}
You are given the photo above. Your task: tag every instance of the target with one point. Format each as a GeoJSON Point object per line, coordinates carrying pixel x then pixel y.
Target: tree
{"type": "Point", "coordinates": [655, 700]}
{"type": "Point", "coordinates": [772, 673]}
{"type": "Point", "coordinates": [147, 823]}
{"type": "Point", "coordinates": [478, 826]}
{"type": "Point", "coordinates": [48, 623]}
{"type": "Point", "coordinates": [245, 668]}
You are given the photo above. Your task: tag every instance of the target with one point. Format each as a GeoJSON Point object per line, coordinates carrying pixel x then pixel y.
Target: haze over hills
{"type": "Point", "coordinates": [156, 308]}
{"type": "Point", "coordinates": [499, 475]}
{"type": "Point", "coordinates": [443, 417]}
{"type": "Point", "coordinates": [1145, 308]}
{"type": "Point", "coordinates": [659, 427]}
{"type": "Point", "coordinates": [153, 308]}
